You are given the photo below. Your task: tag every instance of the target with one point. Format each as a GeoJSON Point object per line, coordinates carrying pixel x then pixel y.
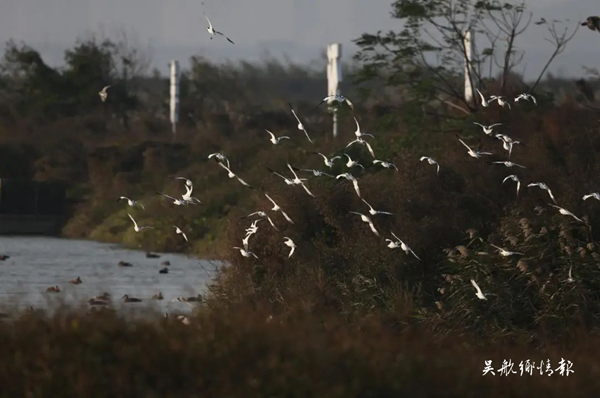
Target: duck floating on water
{"type": "Point", "coordinates": [128, 299]}
{"type": "Point", "coordinates": [96, 301]}
{"type": "Point", "coordinates": [76, 281]}
{"type": "Point", "coordinates": [53, 289]}
{"type": "Point", "coordinates": [164, 271]}
{"type": "Point", "coordinates": [152, 255]}
{"type": "Point", "coordinates": [158, 296]}
{"type": "Point", "coordinates": [125, 264]}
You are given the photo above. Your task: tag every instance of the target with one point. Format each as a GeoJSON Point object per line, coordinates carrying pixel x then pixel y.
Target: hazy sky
{"type": "Point", "coordinates": [298, 29]}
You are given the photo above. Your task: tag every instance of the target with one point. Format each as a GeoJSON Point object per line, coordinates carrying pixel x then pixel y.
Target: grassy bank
{"type": "Point", "coordinates": [251, 352]}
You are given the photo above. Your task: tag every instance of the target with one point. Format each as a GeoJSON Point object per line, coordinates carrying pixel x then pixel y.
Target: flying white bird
{"type": "Point", "coordinates": [543, 186]}
{"type": "Point", "coordinates": [299, 181]}
{"type": "Point", "coordinates": [350, 177]}
{"type": "Point", "coordinates": [500, 101]}
{"type": "Point", "coordinates": [219, 157]}
{"type": "Point", "coordinates": [179, 231]}
{"type": "Point", "coordinates": [276, 208]}
{"type": "Point", "coordinates": [594, 195]}
{"type": "Point", "coordinates": [339, 98]}
{"type": "Point", "coordinates": [245, 252]}
{"type": "Point", "coordinates": [488, 130]}
{"type": "Point", "coordinates": [231, 174]}
{"type": "Point", "coordinates": [253, 228]}
{"type": "Point", "coordinates": [103, 93]}
{"type": "Point", "coordinates": [479, 293]}
{"type": "Point", "coordinates": [386, 165]}
{"type": "Point", "coordinates": [507, 143]}
{"type": "Point", "coordinates": [485, 103]}
{"type": "Point", "coordinates": [131, 202]}
{"type": "Point", "coordinates": [176, 202]}
{"type": "Point", "coordinates": [352, 163]}
{"type": "Point", "coordinates": [506, 253]}
{"type": "Point", "coordinates": [275, 140]}
{"type": "Point", "coordinates": [290, 243]}
{"type": "Point", "coordinates": [367, 220]}
{"type": "Point", "coordinates": [249, 232]}
{"type": "Point", "coordinates": [262, 214]}
{"type": "Point", "coordinates": [400, 244]}
{"type": "Point", "coordinates": [300, 125]}
{"type": "Point", "coordinates": [472, 153]}
{"type": "Point", "coordinates": [288, 181]}
{"type": "Point", "coordinates": [187, 196]}
{"type": "Point", "coordinates": [328, 162]}
{"type": "Point", "coordinates": [566, 212]}
{"type": "Point", "coordinates": [359, 133]}
{"type": "Point", "coordinates": [373, 212]}
{"type": "Point", "coordinates": [212, 31]}
{"type": "Point", "coordinates": [526, 97]}
{"type": "Point", "coordinates": [508, 163]}
{"type": "Point", "coordinates": [363, 142]}
{"type": "Point", "coordinates": [431, 161]}
{"type": "Point", "coordinates": [515, 179]}
{"type": "Point", "coordinates": [135, 226]}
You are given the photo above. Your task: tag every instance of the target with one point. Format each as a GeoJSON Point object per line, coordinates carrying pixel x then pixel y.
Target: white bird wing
{"type": "Point", "coordinates": [185, 237]}
{"type": "Point", "coordinates": [272, 201]}
{"type": "Point", "coordinates": [351, 144]}
{"type": "Point", "coordinates": [356, 188]}
{"type": "Point", "coordinates": [413, 253]}
{"type": "Point", "coordinates": [534, 100]}
{"type": "Point", "coordinates": [481, 95]}
{"type": "Point", "coordinates": [286, 217]}
{"type": "Point", "coordinates": [462, 142]}
{"type": "Point", "coordinates": [292, 251]}
{"type": "Point", "coordinates": [124, 197]}
{"type": "Point", "coordinates": [370, 149]}
{"type": "Point", "coordinates": [134, 223]}
{"type": "Point", "coordinates": [307, 191]}
{"type": "Point", "coordinates": [272, 224]}
{"type": "Point", "coordinates": [209, 24]}
{"type": "Point", "coordinates": [367, 203]}
{"type": "Point", "coordinates": [323, 156]}
{"type": "Point", "coordinates": [357, 125]}
{"type": "Point", "coordinates": [271, 134]}
{"type": "Point", "coordinates": [350, 104]}
{"type": "Point", "coordinates": [243, 182]}
{"type": "Point", "coordinates": [476, 287]}
{"type": "Point", "coordinates": [550, 193]}
{"type": "Point", "coordinates": [373, 228]}
{"type": "Point", "coordinates": [279, 175]}
{"type": "Point", "coordinates": [292, 170]}
{"type": "Point", "coordinates": [225, 167]}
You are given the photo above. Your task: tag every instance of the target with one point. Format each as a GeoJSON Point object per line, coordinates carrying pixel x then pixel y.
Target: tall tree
{"type": "Point", "coordinates": [428, 56]}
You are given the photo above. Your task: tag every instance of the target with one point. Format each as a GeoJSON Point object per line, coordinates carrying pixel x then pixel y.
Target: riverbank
{"type": "Point", "coordinates": [252, 352]}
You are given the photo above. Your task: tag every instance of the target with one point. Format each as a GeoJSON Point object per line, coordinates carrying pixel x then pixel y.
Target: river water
{"type": "Point", "coordinates": [36, 263]}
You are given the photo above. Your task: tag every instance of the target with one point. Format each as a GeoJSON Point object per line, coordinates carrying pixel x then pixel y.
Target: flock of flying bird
{"type": "Point", "coordinates": [507, 143]}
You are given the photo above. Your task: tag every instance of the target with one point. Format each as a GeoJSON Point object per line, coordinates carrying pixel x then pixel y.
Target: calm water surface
{"type": "Point", "coordinates": [36, 263]}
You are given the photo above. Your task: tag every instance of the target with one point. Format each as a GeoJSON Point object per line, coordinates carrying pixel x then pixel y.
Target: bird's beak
{"type": "Point", "coordinates": [583, 23]}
